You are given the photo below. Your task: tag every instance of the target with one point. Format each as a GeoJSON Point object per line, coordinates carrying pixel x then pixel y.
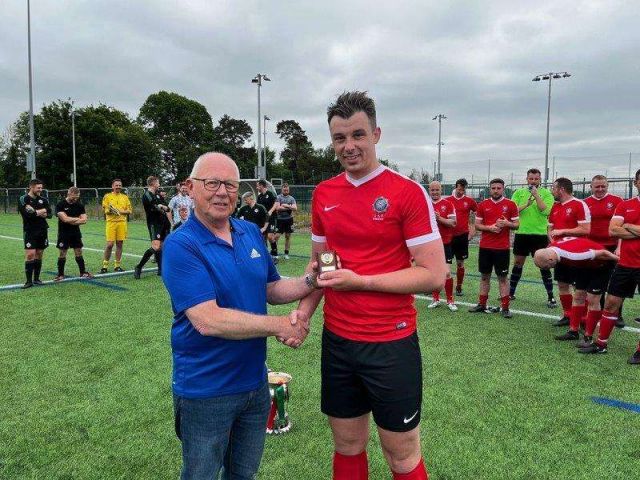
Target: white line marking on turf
{"type": "Point", "coordinates": [84, 248]}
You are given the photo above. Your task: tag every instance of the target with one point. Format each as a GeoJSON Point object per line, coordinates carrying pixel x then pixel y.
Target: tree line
{"type": "Point", "coordinates": [166, 137]}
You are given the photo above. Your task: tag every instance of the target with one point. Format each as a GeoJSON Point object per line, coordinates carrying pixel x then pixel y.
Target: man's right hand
{"type": "Point", "coordinates": [295, 328]}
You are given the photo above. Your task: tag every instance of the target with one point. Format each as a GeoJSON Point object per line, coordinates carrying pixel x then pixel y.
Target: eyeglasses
{"type": "Point", "coordinates": [213, 184]}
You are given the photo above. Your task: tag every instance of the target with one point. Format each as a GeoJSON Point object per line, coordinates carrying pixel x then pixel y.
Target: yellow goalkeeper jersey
{"type": "Point", "coordinates": [118, 201]}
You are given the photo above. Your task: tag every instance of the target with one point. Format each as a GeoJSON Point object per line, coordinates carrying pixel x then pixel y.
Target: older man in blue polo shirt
{"type": "Point", "coordinates": [218, 336]}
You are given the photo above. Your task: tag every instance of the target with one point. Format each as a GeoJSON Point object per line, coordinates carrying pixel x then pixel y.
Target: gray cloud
{"type": "Point", "coordinates": [472, 61]}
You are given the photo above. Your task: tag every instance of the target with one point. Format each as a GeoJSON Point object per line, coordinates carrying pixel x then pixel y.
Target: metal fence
{"type": "Point", "coordinates": [92, 197]}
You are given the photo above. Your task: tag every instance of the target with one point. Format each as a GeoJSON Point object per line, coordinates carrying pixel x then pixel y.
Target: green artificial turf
{"type": "Point", "coordinates": [85, 389]}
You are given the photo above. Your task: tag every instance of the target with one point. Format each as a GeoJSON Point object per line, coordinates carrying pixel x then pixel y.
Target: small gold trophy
{"type": "Point", "coordinates": [327, 261]}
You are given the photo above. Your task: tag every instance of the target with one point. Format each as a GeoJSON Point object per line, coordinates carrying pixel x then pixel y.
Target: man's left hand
{"type": "Point", "coordinates": [341, 279]}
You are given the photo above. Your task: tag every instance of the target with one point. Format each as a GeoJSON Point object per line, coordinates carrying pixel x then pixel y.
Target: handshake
{"type": "Point", "coordinates": [294, 329]}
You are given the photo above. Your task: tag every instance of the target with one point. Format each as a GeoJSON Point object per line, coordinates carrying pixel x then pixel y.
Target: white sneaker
{"type": "Point", "coordinates": [434, 304]}
{"type": "Point", "coordinates": [286, 257]}
{"type": "Point", "coordinates": [452, 306]}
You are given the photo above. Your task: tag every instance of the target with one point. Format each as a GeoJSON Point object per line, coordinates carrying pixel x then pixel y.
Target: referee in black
{"type": "Point", "coordinates": [267, 199]}
{"type": "Point", "coordinates": [35, 210]}
{"type": "Point", "coordinates": [157, 222]}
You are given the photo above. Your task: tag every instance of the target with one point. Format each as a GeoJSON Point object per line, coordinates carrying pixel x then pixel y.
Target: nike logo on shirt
{"type": "Point", "coordinates": [326, 209]}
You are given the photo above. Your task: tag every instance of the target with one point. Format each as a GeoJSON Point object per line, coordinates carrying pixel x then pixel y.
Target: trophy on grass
{"type": "Point", "coordinates": [278, 421]}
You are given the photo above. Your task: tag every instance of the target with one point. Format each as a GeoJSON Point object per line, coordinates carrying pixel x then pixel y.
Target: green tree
{"type": "Point", "coordinates": [108, 145]}
{"type": "Point", "coordinates": [181, 129]}
{"type": "Point", "coordinates": [298, 152]}
{"type": "Point", "coordinates": [231, 136]}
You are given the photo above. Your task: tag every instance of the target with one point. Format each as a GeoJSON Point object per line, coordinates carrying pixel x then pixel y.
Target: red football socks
{"type": "Point", "coordinates": [351, 467]}
{"type": "Point", "coordinates": [435, 295]}
{"type": "Point", "coordinates": [448, 288]}
{"type": "Point", "coordinates": [607, 324]}
{"type": "Point", "coordinates": [482, 300]}
{"type": "Point", "coordinates": [577, 311]}
{"type": "Point", "coordinates": [459, 277]}
{"type": "Point", "coordinates": [566, 300]}
{"type": "Point", "coordinates": [593, 317]}
{"type": "Point", "coordinates": [504, 302]}
{"type": "Point", "coordinates": [418, 473]}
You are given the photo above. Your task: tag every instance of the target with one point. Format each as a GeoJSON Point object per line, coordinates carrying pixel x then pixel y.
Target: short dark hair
{"type": "Point", "coordinates": [598, 177]}
{"type": "Point", "coordinates": [151, 179]}
{"type": "Point", "coordinates": [462, 182]}
{"type": "Point", "coordinates": [497, 180]}
{"type": "Point", "coordinates": [565, 184]}
{"type": "Point", "coordinates": [637, 174]}
{"type": "Point", "coordinates": [262, 182]}
{"type": "Point", "coordinates": [349, 103]}
{"type": "Point", "coordinates": [116, 180]}
{"type": "Point", "coordinates": [534, 170]}
{"type": "Point", "coordinates": [35, 181]}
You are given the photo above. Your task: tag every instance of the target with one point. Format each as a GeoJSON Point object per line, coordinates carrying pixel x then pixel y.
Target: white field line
{"type": "Point", "coordinates": [422, 297]}
{"type": "Point", "coordinates": [84, 248]}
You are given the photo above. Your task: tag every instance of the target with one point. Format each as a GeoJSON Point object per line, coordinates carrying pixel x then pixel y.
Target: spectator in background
{"type": "Point", "coordinates": [267, 199]}
{"type": "Point", "coordinates": [286, 205]}
{"type": "Point", "coordinates": [464, 229]}
{"type": "Point", "coordinates": [34, 209]}
{"type": "Point", "coordinates": [117, 207]}
{"type": "Point", "coordinates": [71, 214]}
{"type": "Point", "coordinates": [253, 212]}
{"type": "Point", "coordinates": [181, 199]}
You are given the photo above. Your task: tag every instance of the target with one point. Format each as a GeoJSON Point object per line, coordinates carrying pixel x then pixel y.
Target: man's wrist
{"type": "Point", "coordinates": [311, 280]}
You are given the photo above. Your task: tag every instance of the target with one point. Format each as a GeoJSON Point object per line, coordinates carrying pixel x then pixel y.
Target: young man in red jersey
{"type": "Point", "coordinates": [464, 229]}
{"type": "Point", "coordinates": [591, 261]}
{"type": "Point", "coordinates": [601, 205]}
{"type": "Point", "coordinates": [446, 218]}
{"type": "Point", "coordinates": [376, 221]}
{"type": "Point", "coordinates": [624, 225]}
{"type": "Point", "coordinates": [495, 218]}
{"type": "Point", "coordinates": [569, 217]}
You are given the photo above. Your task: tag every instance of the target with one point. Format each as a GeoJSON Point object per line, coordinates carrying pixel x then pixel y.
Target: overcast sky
{"type": "Point", "coordinates": [472, 61]}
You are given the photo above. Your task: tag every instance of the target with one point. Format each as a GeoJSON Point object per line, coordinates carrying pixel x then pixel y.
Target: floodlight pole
{"type": "Point", "coordinates": [549, 76]}
{"type": "Point", "coordinates": [439, 117]}
{"type": "Point", "coordinates": [264, 138]}
{"type": "Point", "coordinates": [73, 140]}
{"type": "Point", "coordinates": [32, 135]}
{"type": "Point", "coordinates": [262, 171]}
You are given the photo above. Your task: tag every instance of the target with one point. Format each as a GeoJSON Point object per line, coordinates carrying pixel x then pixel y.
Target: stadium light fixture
{"type": "Point", "coordinates": [73, 140]}
{"type": "Point", "coordinates": [439, 117]}
{"type": "Point", "coordinates": [31, 159]}
{"type": "Point", "coordinates": [549, 76]}
{"type": "Point", "coordinates": [261, 171]}
{"type": "Point", "coordinates": [264, 135]}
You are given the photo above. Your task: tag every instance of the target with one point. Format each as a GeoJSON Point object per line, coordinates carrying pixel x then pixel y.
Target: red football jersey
{"type": "Point", "coordinates": [569, 214]}
{"type": "Point", "coordinates": [371, 223]}
{"type": "Point", "coordinates": [489, 212]}
{"type": "Point", "coordinates": [577, 252]}
{"type": "Point", "coordinates": [463, 206]}
{"type": "Point", "coordinates": [446, 210]}
{"type": "Point", "coordinates": [629, 212]}
{"type": "Point", "coordinates": [601, 211]}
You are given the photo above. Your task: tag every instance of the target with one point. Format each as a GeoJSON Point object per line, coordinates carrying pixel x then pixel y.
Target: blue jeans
{"type": "Point", "coordinates": [225, 433]}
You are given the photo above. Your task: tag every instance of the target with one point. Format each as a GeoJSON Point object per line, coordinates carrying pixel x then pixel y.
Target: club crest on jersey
{"type": "Point", "coordinates": [609, 205]}
{"type": "Point", "coordinates": [568, 211]}
{"type": "Point", "coordinates": [380, 206]}
{"type": "Point", "coordinates": [504, 209]}
{"type": "Point", "coordinates": [465, 204]}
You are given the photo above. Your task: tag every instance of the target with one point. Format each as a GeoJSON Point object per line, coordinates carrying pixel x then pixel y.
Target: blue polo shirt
{"type": "Point", "coordinates": [197, 266]}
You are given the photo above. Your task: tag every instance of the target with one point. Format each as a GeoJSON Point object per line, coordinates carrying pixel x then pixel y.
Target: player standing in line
{"type": "Point", "coordinates": [253, 212]}
{"type": "Point", "coordinates": [286, 205]}
{"type": "Point", "coordinates": [601, 205]}
{"type": "Point", "coordinates": [117, 207]}
{"type": "Point", "coordinates": [157, 219]}
{"type": "Point", "coordinates": [591, 262]}
{"type": "Point", "coordinates": [495, 218]}
{"type": "Point", "coordinates": [624, 225]}
{"type": "Point", "coordinates": [569, 217]}
{"type": "Point", "coordinates": [71, 214]}
{"type": "Point", "coordinates": [446, 217]}
{"type": "Point", "coordinates": [534, 204]}
{"type": "Point", "coordinates": [464, 230]}
{"type": "Point", "coordinates": [267, 199]}
{"type": "Point", "coordinates": [181, 199]}
{"type": "Point", "coordinates": [376, 221]}
{"type": "Point", "coordinates": [35, 210]}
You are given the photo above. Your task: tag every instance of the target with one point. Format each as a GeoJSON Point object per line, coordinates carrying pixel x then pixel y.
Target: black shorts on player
{"type": "Point", "coordinates": [624, 282]}
{"type": "Point", "coordinates": [564, 274]}
{"type": "Point", "coordinates": [272, 226]}
{"type": "Point", "coordinates": [525, 244]}
{"type": "Point", "coordinates": [284, 225]}
{"type": "Point", "coordinates": [460, 246]}
{"type": "Point", "coordinates": [35, 240]}
{"type": "Point", "coordinates": [497, 260]}
{"type": "Point", "coordinates": [158, 231]}
{"type": "Point", "coordinates": [593, 280]}
{"type": "Point", "coordinates": [65, 242]}
{"type": "Point", "coordinates": [384, 378]}
{"type": "Point", "coordinates": [448, 253]}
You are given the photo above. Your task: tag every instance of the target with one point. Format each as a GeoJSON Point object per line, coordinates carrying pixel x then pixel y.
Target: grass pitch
{"type": "Point", "coordinates": [86, 393]}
